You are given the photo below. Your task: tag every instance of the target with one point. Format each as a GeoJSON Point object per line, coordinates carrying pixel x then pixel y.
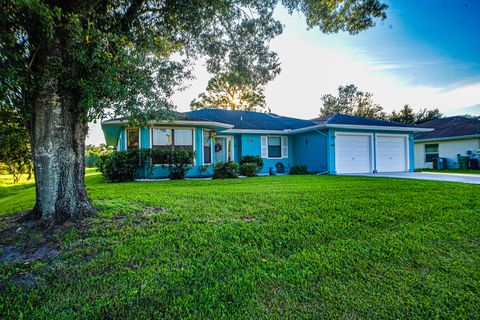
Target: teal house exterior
{"type": "Point", "coordinates": [335, 144]}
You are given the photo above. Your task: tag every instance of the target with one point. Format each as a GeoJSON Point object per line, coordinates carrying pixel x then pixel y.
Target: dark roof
{"type": "Point", "coordinates": [174, 115]}
{"type": "Point", "coordinates": [355, 120]}
{"type": "Point", "coordinates": [251, 120]}
{"type": "Point", "coordinates": [450, 127]}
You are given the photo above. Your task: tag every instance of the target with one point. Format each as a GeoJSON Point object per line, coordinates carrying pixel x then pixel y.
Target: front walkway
{"type": "Point", "coordinates": [435, 176]}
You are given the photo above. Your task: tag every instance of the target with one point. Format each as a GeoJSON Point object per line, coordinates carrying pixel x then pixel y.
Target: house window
{"type": "Point", "coordinates": [183, 139]}
{"type": "Point", "coordinates": [171, 139]}
{"type": "Point", "coordinates": [162, 138]}
{"type": "Point", "coordinates": [274, 147]}
{"type": "Point", "coordinates": [133, 139]}
{"type": "Point", "coordinates": [431, 152]}
{"type": "Point", "coordinates": [207, 147]}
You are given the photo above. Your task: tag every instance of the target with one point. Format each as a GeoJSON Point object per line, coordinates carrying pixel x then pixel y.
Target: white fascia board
{"type": "Point", "coordinates": [300, 130]}
{"type": "Point", "coordinates": [384, 128]}
{"type": "Point", "coordinates": [257, 131]}
{"type": "Point", "coordinates": [176, 122]}
{"type": "Point", "coordinates": [471, 136]}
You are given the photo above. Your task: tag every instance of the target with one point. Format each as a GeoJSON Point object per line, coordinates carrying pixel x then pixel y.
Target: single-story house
{"type": "Point", "coordinates": [335, 144]}
{"type": "Point", "coordinates": [452, 136]}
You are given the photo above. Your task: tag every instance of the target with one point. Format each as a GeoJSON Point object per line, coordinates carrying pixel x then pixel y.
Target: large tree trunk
{"type": "Point", "coordinates": [58, 131]}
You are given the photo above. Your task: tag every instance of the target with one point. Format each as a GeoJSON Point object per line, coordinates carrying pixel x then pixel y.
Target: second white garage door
{"type": "Point", "coordinates": [353, 153]}
{"type": "Point", "coordinates": [391, 153]}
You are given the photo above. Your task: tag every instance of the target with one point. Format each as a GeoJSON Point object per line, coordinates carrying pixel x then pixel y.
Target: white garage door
{"type": "Point", "coordinates": [391, 153]}
{"type": "Point", "coordinates": [352, 153]}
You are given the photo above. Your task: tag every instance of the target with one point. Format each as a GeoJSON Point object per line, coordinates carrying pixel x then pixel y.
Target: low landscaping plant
{"type": "Point", "coordinates": [248, 169]}
{"type": "Point", "coordinates": [296, 170]}
{"type": "Point", "coordinates": [252, 159]}
{"type": "Point", "coordinates": [118, 166]}
{"type": "Point", "coordinates": [205, 169]}
{"type": "Point", "coordinates": [121, 166]}
{"type": "Point", "coordinates": [250, 165]}
{"type": "Point", "coordinates": [225, 170]}
{"type": "Point", "coordinates": [181, 161]}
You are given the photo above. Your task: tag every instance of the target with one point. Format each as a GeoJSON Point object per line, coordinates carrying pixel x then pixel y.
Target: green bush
{"type": "Point", "coordinates": [252, 159]}
{"type": "Point", "coordinates": [181, 161]}
{"type": "Point", "coordinates": [225, 170]}
{"type": "Point", "coordinates": [249, 169]}
{"type": "Point", "coordinates": [295, 170]}
{"type": "Point", "coordinates": [122, 165]}
{"type": "Point", "coordinates": [119, 165]}
{"type": "Point", "coordinates": [93, 153]}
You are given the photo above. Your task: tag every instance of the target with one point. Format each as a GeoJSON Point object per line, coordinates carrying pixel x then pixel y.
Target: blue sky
{"type": "Point", "coordinates": [426, 53]}
{"type": "Point", "coordinates": [427, 42]}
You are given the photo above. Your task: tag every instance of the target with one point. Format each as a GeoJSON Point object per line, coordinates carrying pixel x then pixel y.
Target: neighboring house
{"type": "Point", "coordinates": [451, 137]}
{"type": "Point", "coordinates": [334, 144]}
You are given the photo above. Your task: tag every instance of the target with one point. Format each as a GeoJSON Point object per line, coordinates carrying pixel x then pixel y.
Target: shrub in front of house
{"type": "Point", "coordinates": [178, 162]}
{"type": "Point", "coordinates": [252, 159]}
{"type": "Point", "coordinates": [249, 169]}
{"type": "Point", "coordinates": [181, 161]}
{"type": "Point", "coordinates": [118, 166]}
{"type": "Point", "coordinates": [296, 170]}
{"type": "Point", "coordinates": [121, 166]}
{"type": "Point", "coordinates": [250, 165]}
{"type": "Point", "coordinates": [225, 170]}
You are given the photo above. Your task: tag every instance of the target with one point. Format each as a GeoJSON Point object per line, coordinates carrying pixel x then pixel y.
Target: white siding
{"type": "Point", "coordinates": [446, 149]}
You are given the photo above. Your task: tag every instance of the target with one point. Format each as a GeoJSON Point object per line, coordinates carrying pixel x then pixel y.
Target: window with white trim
{"type": "Point", "coordinates": [171, 139]}
{"type": "Point", "coordinates": [431, 152]}
{"type": "Point", "coordinates": [274, 147]}
{"type": "Point", "coordinates": [133, 139]}
{"type": "Point", "coordinates": [162, 138]}
{"type": "Point", "coordinates": [207, 147]}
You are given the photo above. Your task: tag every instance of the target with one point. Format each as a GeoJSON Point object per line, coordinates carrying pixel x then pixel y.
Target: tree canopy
{"type": "Point", "coordinates": [351, 100]}
{"type": "Point", "coordinates": [406, 115]}
{"type": "Point", "coordinates": [63, 63]}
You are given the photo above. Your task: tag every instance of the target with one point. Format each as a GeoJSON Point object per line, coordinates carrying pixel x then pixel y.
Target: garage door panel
{"type": "Point", "coordinates": [391, 154]}
{"type": "Point", "coordinates": [352, 153]}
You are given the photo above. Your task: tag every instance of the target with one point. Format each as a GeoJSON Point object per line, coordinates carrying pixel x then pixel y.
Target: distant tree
{"type": "Point", "coordinates": [93, 153]}
{"type": "Point", "coordinates": [406, 115]}
{"type": "Point", "coordinates": [238, 82]}
{"type": "Point", "coordinates": [231, 92]}
{"type": "Point", "coordinates": [15, 151]}
{"type": "Point", "coordinates": [351, 101]}
{"type": "Point", "coordinates": [425, 115]}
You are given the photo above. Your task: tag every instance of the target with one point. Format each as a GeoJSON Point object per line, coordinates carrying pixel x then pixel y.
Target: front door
{"type": "Point", "coordinates": [221, 150]}
{"type": "Point", "coordinates": [224, 149]}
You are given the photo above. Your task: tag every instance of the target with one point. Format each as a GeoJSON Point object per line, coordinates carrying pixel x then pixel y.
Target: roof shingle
{"type": "Point", "coordinates": [450, 127]}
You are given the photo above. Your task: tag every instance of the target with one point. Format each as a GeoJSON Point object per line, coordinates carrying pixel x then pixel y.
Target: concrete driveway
{"type": "Point", "coordinates": [452, 177]}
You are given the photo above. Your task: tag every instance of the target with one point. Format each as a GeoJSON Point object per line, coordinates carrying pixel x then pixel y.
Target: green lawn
{"type": "Point", "coordinates": [451, 171]}
{"type": "Point", "coordinates": [313, 247]}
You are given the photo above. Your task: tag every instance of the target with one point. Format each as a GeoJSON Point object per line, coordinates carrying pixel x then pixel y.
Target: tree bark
{"type": "Point", "coordinates": [58, 130]}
